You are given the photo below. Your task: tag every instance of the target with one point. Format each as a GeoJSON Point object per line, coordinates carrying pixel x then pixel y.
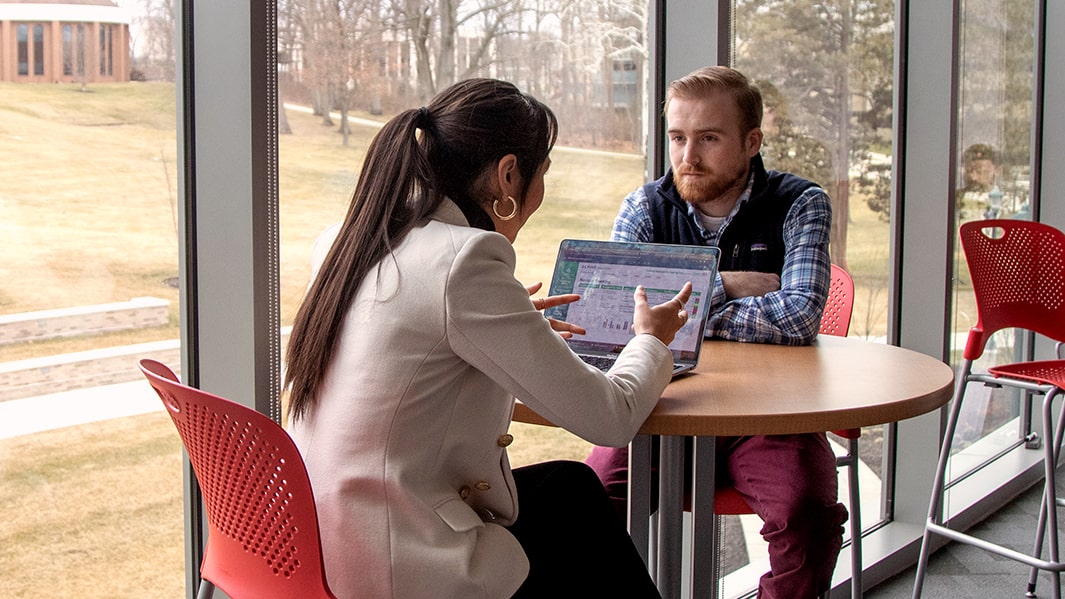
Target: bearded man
{"type": "Point", "coordinates": [773, 230]}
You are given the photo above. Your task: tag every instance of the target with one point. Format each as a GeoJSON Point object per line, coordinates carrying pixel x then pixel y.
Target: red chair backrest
{"type": "Point", "coordinates": [263, 539]}
{"type": "Point", "coordinates": [1017, 269]}
{"type": "Point", "coordinates": [836, 319]}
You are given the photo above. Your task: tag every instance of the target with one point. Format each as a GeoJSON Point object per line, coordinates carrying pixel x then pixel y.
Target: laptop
{"type": "Point", "coordinates": [605, 274]}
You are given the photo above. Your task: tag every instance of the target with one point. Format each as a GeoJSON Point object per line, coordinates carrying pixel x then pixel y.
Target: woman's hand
{"type": "Point", "coordinates": [664, 320]}
{"type": "Point", "coordinates": [564, 329]}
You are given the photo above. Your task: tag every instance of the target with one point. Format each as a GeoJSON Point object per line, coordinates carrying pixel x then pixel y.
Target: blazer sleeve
{"type": "Point", "coordinates": [492, 324]}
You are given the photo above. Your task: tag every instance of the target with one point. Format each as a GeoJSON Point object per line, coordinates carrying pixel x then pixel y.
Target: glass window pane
{"type": "Point", "coordinates": [23, 50]}
{"type": "Point", "coordinates": [107, 65]}
{"type": "Point", "coordinates": [826, 73]}
{"type": "Point", "coordinates": [68, 51]}
{"type": "Point", "coordinates": [38, 49]}
{"type": "Point", "coordinates": [586, 62]}
{"type": "Point", "coordinates": [996, 66]}
{"type": "Point", "coordinates": [79, 49]}
{"type": "Point", "coordinates": [90, 464]}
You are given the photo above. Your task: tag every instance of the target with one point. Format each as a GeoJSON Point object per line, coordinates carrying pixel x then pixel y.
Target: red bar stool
{"type": "Point", "coordinates": [1018, 276]}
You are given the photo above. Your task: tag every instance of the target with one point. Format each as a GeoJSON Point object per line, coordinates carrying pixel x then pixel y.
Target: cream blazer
{"type": "Point", "coordinates": [406, 444]}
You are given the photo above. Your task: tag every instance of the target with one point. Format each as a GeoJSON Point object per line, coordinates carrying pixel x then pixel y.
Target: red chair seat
{"type": "Point", "coordinates": [1042, 372]}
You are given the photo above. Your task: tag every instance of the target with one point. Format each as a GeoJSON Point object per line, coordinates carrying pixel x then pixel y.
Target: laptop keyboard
{"type": "Point", "coordinates": [605, 362]}
{"type": "Point", "coordinates": [601, 362]}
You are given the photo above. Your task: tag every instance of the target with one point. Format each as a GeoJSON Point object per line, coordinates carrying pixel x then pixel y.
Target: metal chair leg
{"type": "Point", "coordinates": [1050, 485]}
{"type": "Point", "coordinates": [1047, 503]}
{"type": "Point", "coordinates": [935, 514]}
{"type": "Point", "coordinates": [1050, 502]}
{"type": "Point", "coordinates": [856, 522]}
{"type": "Point", "coordinates": [1040, 530]}
{"type": "Point", "coordinates": [851, 461]}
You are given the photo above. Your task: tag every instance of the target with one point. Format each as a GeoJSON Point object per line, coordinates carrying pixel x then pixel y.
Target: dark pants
{"type": "Point", "coordinates": [576, 544]}
{"type": "Point", "coordinates": [791, 483]}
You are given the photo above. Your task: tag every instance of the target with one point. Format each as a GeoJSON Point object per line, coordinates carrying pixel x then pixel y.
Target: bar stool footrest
{"type": "Point", "coordinates": [1024, 558]}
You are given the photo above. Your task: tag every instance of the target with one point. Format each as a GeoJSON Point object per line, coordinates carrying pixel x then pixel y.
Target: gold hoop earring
{"type": "Point", "coordinates": [513, 212]}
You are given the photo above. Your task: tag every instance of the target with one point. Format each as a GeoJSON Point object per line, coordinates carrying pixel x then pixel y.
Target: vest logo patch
{"type": "Point", "coordinates": [759, 247]}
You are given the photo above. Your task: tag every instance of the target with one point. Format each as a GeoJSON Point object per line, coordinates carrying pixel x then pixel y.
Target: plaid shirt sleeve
{"type": "Point", "coordinates": [792, 315]}
{"type": "Point", "coordinates": [633, 222]}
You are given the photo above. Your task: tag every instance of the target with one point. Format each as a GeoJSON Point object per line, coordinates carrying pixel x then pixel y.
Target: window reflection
{"type": "Point", "coordinates": [996, 67]}
{"type": "Point", "coordinates": [23, 51]}
{"type": "Point", "coordinates": [826, 73]}
{"type": "Point", "coordinates": [38, 49]}
{"type": "Point", "coordinates": [106, 59]}
{"type": "Point", "coordinates": [341, 74]}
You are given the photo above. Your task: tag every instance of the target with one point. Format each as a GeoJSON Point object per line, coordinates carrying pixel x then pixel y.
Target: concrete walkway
{"type": "Point", "coordinates": [71, 408]}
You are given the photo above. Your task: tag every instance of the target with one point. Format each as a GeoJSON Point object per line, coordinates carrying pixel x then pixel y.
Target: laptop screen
{"type": "Point", "coordinates": [605, 274]}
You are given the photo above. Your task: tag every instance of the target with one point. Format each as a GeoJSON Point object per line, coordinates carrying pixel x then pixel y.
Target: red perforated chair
{"type": "Point", "coordinates": [836, 320]}
{"type": "Point", "coordinates": [263, 540]}
{"type": "Point", "coordinates": [1018, 276]}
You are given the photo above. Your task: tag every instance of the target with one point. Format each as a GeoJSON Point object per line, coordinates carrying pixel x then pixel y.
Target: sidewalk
{"type": "Point", "coordinates": [69, 408]}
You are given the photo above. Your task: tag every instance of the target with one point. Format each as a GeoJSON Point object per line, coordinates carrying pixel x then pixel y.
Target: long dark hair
{"type": "Point", "coordinates": [416, 160]}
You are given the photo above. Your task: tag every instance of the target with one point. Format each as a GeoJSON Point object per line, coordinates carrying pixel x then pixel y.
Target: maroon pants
{"type": "Point", "coordinates": [790, 482]}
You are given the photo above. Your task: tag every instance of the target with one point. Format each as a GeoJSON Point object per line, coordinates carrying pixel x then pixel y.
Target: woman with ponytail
{"type": "Point", "coordinates": [409, 349]}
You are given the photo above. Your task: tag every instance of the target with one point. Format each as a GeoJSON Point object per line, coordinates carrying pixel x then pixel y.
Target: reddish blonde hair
{"type": "Point", "coordinates": [708, 80]}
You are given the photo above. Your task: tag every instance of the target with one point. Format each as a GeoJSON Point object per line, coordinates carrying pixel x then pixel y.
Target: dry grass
{"type": "Point", "coordinates": [90, 217]}
{"type": "Point", "coordinates": [95, 510]}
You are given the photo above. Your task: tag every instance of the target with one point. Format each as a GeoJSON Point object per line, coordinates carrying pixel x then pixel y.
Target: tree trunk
{"type": "Point", "coordinates": [840, 218]}
{"type": "Point", "coordinates": [345, 130]}
{"type": "Point", "coordinates": [445, 63]}
{"type": "Point", "coordinates": [283, 127]}
{"type": "Point", "coordinates": [841, 201]}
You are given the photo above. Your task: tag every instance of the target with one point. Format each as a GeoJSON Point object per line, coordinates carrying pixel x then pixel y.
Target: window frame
{"type": "Point", "coordinates": [227, 144]}
{"type": "Point", "coordinates": [228, 185]}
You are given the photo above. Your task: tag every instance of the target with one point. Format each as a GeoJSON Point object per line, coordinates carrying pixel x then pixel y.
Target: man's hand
{"type": "Point", "coordinates": [743, 283]}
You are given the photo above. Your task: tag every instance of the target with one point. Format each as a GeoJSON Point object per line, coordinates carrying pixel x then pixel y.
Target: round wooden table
{"type": "Point", "coordinates": [758, 389]}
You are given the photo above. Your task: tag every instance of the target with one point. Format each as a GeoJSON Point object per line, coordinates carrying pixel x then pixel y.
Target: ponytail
{"type": "Point", "coordinates": [416, 160]}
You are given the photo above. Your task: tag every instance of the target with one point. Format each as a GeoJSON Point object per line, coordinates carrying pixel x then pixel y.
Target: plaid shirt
{"type": "Point", "coordinates": [790, 316]}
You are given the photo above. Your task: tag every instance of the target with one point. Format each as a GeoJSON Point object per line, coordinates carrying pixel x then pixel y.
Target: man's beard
{"type": "Point", "coordinates": [707, 188]}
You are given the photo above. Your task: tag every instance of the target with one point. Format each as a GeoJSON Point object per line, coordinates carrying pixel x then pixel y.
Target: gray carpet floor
{"type": "Point", "coordinates": [961, 571]}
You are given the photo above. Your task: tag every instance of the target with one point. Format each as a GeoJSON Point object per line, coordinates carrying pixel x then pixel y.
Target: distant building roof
{"type": "Point", "coordinates": [101, 11]}
{"type": "Point", "coordinates": [79, 2]}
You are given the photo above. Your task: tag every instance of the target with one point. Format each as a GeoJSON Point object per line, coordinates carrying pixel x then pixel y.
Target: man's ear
{"type": "Point", "coordinates": [754, 141]}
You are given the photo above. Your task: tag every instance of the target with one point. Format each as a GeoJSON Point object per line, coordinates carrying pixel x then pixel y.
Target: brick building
{"type": "Point", "coordinates": [74, 41]}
